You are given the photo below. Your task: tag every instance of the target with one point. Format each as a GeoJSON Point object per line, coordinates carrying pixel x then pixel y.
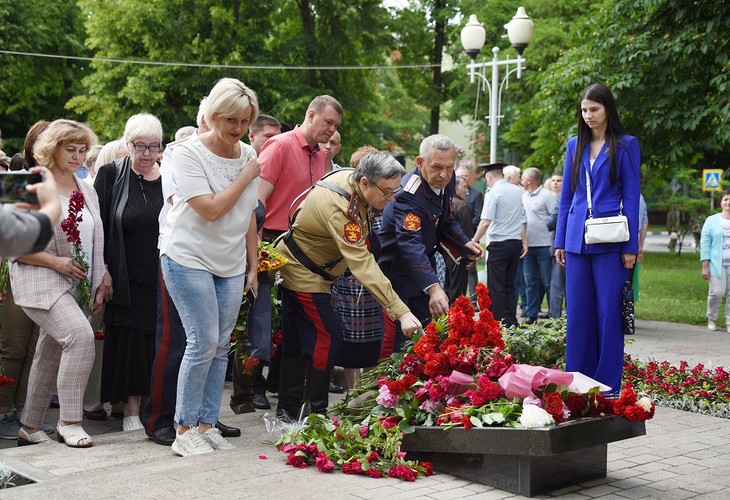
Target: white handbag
{"type": "Point", "coordinates": [607, 229]}
{"type": "Point", "coordinates": [614, 229]}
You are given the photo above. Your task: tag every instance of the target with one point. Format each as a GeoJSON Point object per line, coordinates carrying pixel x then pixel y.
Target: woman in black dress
{"type": "Point", "coordinates": [130, 196]}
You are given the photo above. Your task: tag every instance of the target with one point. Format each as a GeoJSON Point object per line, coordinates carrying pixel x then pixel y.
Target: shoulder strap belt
{"type": "Point", "coordinates": [333, 187]}
{"type": "Point", "coordinates": [306, 261]}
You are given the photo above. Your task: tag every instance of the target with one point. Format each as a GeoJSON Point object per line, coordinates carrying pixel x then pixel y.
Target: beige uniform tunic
{"type": "Point", "coordinates": [325, 233]}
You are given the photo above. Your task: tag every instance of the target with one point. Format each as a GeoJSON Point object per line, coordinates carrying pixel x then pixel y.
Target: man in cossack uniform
{"type": "Point", "coordinates": [415, 226]}
{"type": "Point", "coordinates": [329, 234]}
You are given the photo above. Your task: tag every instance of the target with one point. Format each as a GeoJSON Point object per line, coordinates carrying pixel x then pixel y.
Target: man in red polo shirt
{"type": "Point", "coordinates": [292, 162]}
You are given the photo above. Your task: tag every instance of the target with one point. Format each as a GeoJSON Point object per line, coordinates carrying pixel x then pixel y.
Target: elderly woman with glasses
{"type": "Point", "coordinates": [329, 235]}
{"type": "Point", "coordinates": [130, 197]}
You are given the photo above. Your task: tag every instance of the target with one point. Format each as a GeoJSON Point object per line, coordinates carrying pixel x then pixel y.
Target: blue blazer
{"type": "Point", "coordinates": [406, 255]}
{"type": "Point", "coordinates": [606, 198]}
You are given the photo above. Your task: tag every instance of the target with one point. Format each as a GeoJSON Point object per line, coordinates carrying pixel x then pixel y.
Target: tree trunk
{"type": "Point", "coordinates": [438, 48]}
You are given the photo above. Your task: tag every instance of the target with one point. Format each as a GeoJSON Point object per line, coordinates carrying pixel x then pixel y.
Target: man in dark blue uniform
{"type": "Point", "coordinates": [418, 223]}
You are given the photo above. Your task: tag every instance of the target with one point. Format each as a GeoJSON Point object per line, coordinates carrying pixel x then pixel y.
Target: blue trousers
{"type": "Point", "coordinates": [537, 268]}
{"type": "Point", "coordinates": [208, 307]}
{"type": "Point", "coordinates": [595, 340]}
{"type": "Point", "coordinates": [557, 291]}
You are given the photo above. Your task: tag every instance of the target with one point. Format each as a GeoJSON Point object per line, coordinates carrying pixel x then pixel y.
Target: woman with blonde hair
{"type": "Point", "coordinates": [209, 256]}
{"type": "Point", "coordinates": [49, 287]}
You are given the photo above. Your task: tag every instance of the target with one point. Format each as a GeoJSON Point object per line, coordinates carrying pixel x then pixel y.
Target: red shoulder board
{"type": "Point", "coordinates": [352, 233]}
{"type": "Point", "coordinates": [411, 222]}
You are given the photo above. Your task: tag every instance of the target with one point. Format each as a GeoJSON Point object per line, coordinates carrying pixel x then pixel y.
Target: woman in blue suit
{"type": "Point", "coordinates": [595, 273]}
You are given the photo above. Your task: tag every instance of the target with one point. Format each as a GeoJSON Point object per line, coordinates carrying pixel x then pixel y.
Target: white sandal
{"type": "Point", "coordinates": [37, 437]}
{"type": "Point", "coordinates": [72, 435]}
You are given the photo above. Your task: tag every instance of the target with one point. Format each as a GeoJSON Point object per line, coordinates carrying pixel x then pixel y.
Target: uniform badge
{"type": "Point", "coordinates": [411, 222]}
{"type": "Point", "coordinates": [353, 233]}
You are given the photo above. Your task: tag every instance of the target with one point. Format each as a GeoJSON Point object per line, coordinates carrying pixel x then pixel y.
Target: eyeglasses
{"type": "Point", "coordinates": [386, 194]}
{"type": "Point", "coordinates": [141, 148]}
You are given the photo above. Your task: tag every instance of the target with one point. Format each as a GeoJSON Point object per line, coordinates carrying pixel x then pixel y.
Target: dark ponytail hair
{"type": "Point", "coordinates": [614, 130]}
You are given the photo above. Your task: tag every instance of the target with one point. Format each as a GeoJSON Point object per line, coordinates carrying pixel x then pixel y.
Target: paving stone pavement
{"type": "Point", "coordinates": [683, 455]}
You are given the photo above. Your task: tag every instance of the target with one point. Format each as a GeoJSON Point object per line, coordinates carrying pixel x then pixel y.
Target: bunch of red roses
{"type": "Point", "coordinates": [447, 377]}
{"type": "Point", "coordinates": [468, 345]}
{"type": "Point", "coordinates": [663, 380]}
{"type": "Point", "coordinates": [70, 226]}
{"type": "Point", "coordinates": [371, 449]}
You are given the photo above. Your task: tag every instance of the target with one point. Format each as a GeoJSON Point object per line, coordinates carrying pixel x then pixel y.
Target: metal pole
{"type": "Point", "coordinates": [494, 106]}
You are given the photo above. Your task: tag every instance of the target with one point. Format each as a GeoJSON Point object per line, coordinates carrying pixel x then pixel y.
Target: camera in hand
{"type": "Point", "coordinates": [13, 187]}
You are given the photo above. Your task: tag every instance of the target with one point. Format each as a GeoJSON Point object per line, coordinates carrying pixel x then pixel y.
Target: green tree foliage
{"type": "Point", "coordinates": [297, 33]}
{"type": "Point", "coordinates": [37, 88]}
{"type": "Point", "coordinates": [667, 63]}
{"type": "Point", "coordinates": [555, 32]}
{"type": "Point", "coordinates": [186, 31]}
{"type": "Point", "coordinates": [422, 31]}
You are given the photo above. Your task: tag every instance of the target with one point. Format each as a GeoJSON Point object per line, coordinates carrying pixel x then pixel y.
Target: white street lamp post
{"type": "Point", "coordinates": [473, 36]}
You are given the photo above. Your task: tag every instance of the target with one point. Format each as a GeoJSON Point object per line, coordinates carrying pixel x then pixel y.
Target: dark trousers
{"type": "Point", "coordinates": [310, 328]}
{"type": "Point", "coordinates": [473, 280]}
{"type": "Point", "coordinates": [457, 278]}
{"type": "Point", "coordinates": [501, 270]}
{"type": "Point", "coordinates": [159, 412]}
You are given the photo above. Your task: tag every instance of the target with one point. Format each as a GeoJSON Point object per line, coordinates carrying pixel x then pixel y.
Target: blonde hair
{"type": "Point", "coordinates": [142, 125]}
{"type": "Point", "coordinates": [230, 97]}
{"type": "Point", "coordinates": [59, 133]}
{"type": "Point", "coordinates": [92, 155]}
{"type": "Point", "coordinates": [110, 152]}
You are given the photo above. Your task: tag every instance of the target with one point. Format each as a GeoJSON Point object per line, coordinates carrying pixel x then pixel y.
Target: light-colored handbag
{"type": "Point", "coordinates": [614, 229]}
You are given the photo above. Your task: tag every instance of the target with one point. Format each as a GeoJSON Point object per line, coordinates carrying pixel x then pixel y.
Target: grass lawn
{"type": "Point", "coordinates": [672, 289]}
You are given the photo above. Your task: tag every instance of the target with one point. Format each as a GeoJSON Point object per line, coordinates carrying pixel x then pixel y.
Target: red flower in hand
{"type": "Point", "coordinates": [70, 226]}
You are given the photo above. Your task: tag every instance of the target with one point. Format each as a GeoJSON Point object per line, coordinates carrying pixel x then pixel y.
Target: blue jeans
{"type": "Point", "coordinates": [557, 291]}
{"type": "Point", "coordinates": [538, 267]}
{"type": "Point", "coordinates": [208, 306]}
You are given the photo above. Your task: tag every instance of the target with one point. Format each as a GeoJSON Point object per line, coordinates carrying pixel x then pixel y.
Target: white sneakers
{"type": "Point", "coordinates": [712, 326]}
{"type": "Point", "coordinates": [216, 440]}
{"type": "Point", "coordinates": [195, 443]}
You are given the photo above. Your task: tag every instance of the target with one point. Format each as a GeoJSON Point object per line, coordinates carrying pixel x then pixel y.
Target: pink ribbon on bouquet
{"type": "Point", "coordinates": [522, 380]}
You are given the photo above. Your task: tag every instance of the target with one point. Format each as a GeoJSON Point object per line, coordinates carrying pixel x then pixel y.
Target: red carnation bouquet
{"type": "Point", "coordinates": [70, 226]}
{"type": "Point", "coordinates": [453, 375]}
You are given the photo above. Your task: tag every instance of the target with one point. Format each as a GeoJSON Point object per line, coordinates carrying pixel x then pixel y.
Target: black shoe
{"type": "Point", "coordinates": [336, 389]}
{"type": "Point", "coordinates": [239, 408]}
{"type": "Point", "coordinates": [260, 402]}
{"type": "Point", "coordinates": [164, 436]}
{"type": "Point", "coordinates": [530, 321]}
{"type": "Point", "coordinates": [227, 431]}
{"type": "Point", "coordinates": [543, 316]}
